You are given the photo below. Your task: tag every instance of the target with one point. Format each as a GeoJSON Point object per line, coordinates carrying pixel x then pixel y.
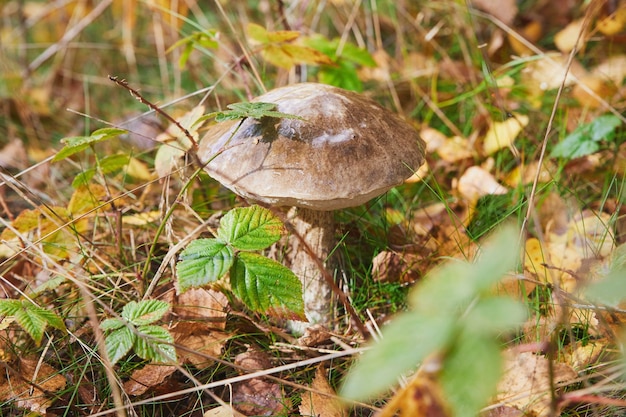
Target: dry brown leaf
{"type": "Point", "coordinates": [197, 342]}
{"type": "Point", "coordinates": [147, 378]}
{"type": "Point", "coordinates": [504, 10]}
{"type": "Point", "coordinates": [477, 182]}
{"type": "Point", "coordinates": [502, 134]}
{"type": "Point", "coordinates": [455, 149]}
{"type": "Point", "coordinates": [523, 175]}
{"type": "Point", "coordinates": [259, 397]}
{"type": "Point", "coordinates": [612, 69]}
{"type": "Point", "coordinates": [16, 388]}
{"type": "Point", "coordinates": [200, 303]}
{"type": "Point", "coordinates": [223, 411]}
{"type": "Point", "coordinates": [390, 266]}
{"type": "Point", "coordinates": [532, 32]}
{"type": "Point", "coordinates": [547, 73]}
{"type": "Point", "coordinates": [526, 383]}
{"type": "Point", "coordinates": [604, 89]}
{"type": "Point", "coordinates": [421, 397]}
{"type": "Point", "coordinates": [314, 335]}
{"type": "Point", "coordinates": [322, 400]}
{"type": "Point", "coordinates": [565, 39]}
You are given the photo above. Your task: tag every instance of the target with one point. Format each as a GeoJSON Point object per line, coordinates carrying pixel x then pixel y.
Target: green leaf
{"type": "Point", "coordinates": [78, 143]}
{"type": "Point", "coordinates": [493, 315]}
{"type": "Point", "coordinates": [118, 343]}
{"type": "Point", "coordinates": [406, 342]}
{"type": "Point", "coordinates": [9, 307]}
{"type": "Point", "coordinates": [266, 286]}
{"type": "Point", "coordinates": [112, 324]}
{"type": "Point", "coordinates": [145, 311]}
{"type": "Point", "coordinates": [255, 110]}
{"type": "Point", "coordinates": [610, 290]}
{"type": "Point", "coordinates": [584, 140]}
{"type": "Point", "coordinates": [203, 261]}
{"type": "Point", "coordinates": [155, 343]}
{"type": "Point", "coordinates": [34, 324]}
{"type": "Point", "coordinates": [470, 373]}
{"type": "Point", "coordinates": [250, 228]}
{"type": "Point", "coordinates": [456, 283]}
{"type": "Point", "coordinates": [107, 165]}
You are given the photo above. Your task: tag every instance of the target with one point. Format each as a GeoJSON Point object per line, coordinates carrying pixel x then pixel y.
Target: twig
{"type": "Point", "coordinates": [136, 94]}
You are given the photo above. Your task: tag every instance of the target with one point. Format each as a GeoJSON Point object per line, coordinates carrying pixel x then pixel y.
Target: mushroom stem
{"type": "Point", "coordinates": [316, 228]}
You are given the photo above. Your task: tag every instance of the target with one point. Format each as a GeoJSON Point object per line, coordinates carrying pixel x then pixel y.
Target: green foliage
{"type": "Point", "coordinates": [77, 144]}
{"type": "Point", "coordinates": [134, 330]}
{"type": "Point", "coordinates": [32, 318]}
{"type": "Point", "coordinates": [262, 284]}
{"type": "Point", "coordinates": [346, 57]}
{"type": "Point", "coordinates": [611, 289]}
{"type": "Point", "coordinates": [197, 40]}
{"type": "Point", "coordinates": [585, 139]}
{"type": "Point", "coordinates": [106, 165]}
{"type": "Point", "coordinates": [455, 314]}
{"type": "Point", "coordinates": [244, 110]}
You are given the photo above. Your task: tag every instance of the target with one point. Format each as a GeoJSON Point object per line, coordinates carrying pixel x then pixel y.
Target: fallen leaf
{"type": "Point", "coordinates": [175, 142]}
{"type": "Point", "coordinates": [504, 10]}
{"type": "Point", "coordinates": [421, 397]}
{"type": "Point", "coordinates": [612, 68]}
{"type": "Point", "coordinates": [526, 383]}
{"type": "Point", "coordinates": [614, 23]}
{"type": "Point", "coordinates": [532, 32]}
{"type": "Point", "coordinates": [322, 400]}
{"type": "Point", "coordinates": [502, 134]}
{"type": "Point", "coordinates": [565, 39]}
{"type": "Point", "coordinates": [197, 343]}
{"type": "Point", "coordinates": [147, 378]}
{"type": "Point", "coordinates": [455, 149]}
{"type": "Point", "coordinates": [390, 266]}
{"type": "Point", "coordinates": [201, 303]}
{"type": "Point", "coordinates": [16, 387]}
{"type": "Point", "coordinates": [476, 182]}
{"type": "Point", "coordinates": [223, 411]}
{"type": "Point", "coordinates": [602, 88]}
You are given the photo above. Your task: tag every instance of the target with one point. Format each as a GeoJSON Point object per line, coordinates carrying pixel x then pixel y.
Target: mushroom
{"type": "Point", "coordinates": [343, 150]}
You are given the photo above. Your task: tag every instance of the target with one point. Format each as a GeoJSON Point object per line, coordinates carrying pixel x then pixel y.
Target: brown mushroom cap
{"type": "Point", "coordinates": [344, 151]}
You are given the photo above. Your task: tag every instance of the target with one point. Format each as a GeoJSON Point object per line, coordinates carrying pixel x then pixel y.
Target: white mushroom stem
{"type": "Point", "coordinates": [316, 228]}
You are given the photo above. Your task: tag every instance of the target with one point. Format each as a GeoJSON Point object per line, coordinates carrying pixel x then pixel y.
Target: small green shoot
{"type": "Point", "coordinates": [32, 318]}
{"type": "Point", "coordinates": [77, 144]}
{"type": "Point", "coordinates": [197, 40]}
{"type": "Point", "coordinates": [455, 314]}
{"type": "Point", "coordinates": [585, 140]}
{"type": "Point", "coordinates": [262, 284]}
{"type": "Point", "coordinates": [134, 330]}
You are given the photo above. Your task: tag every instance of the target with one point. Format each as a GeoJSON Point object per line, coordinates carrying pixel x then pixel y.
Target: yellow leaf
{"type": "Point", "coordinates": [502, 134]}
{"type": "Point", "coordinates": [86, 198]}
{"type": "Point", "coordinates": [613, 24]}
{"type": "Point", "coordinates": [261, 35]}
{"type": "Point", "coordinates": [139, 170]}
{"type": "Point", "coordinates": [565, 40]}
{"type": "Point", "coordinates": [141, 219]}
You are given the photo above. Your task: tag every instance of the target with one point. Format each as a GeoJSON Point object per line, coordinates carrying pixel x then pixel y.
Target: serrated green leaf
{"type": "Point", "coordinates": [118, 343]}
{"type": "Point", "coordinates": [250, 228]}
{"type": "Point", "coordinates": [406, 342]}
{"type": "Point", "coordinates": [34, 324]}
{"type": "Point", "coordinates": [574, 146]}
{"type": "Point", "coordinates": [256, 110]}
{"type": "Point", "coordinates": [112, 324]}
{"type": "Point", "coordinates": [145, 311]}
{"type": "Point", "coordinates": [78, 143]}
{"type": "Point", "coordinates": [493, 315]}
{"type": "Point", "coordinates": [266, 286]}
{"type": "Point", "coordinates": [470, 373]}
{"type": "Point", "coordinates": [203, 261]}
{"type": "Point", "coordinates": [155, 343]}
{"type": "Point", "coordinates": [344, 75]}
{"type": "Point", "coordinates": [9, 307]}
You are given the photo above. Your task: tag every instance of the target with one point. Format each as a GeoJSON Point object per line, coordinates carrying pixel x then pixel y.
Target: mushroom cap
{"type": "Point", "coordinates": [345, 150]}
